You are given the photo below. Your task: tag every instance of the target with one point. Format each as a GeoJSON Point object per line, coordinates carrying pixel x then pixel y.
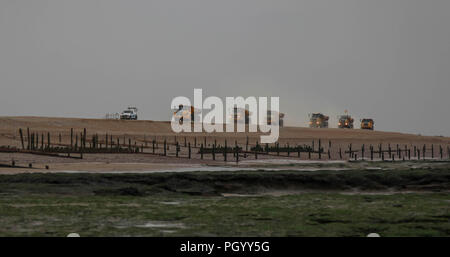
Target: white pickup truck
{"type": "Point", "coordinates": [129, 114]}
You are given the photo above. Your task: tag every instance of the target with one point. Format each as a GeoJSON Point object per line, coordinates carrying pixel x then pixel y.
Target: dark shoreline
{"type": "Point", "coordinates": [213, 183]}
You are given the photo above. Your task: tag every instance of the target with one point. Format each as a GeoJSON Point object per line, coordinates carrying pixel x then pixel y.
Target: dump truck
{"type": "Point", "coordinates": [367, 124]}
{"type": "Point", "coordinates": [275, 114]}
{"type": "Point", "coordinates": [240, 115]}
{"type": "Point", "coordinates": [129, 114]}
{"type": "Point", "coordinates": [185, 114]}
{"type": "Point", "coordinates": [345, 121]}
{"type": "Point", "coordinates": [318, 120]}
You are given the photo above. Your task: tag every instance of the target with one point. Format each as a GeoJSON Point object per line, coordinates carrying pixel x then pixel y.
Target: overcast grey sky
{"type": "Point", "coordinates": [384, 59]}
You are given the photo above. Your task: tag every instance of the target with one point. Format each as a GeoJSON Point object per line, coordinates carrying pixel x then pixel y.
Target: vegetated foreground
{"type": "Point", "coordinates": [413, 202]}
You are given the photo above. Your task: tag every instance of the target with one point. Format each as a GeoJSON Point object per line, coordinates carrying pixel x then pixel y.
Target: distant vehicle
{"type": "Point", "coordinates": [275, 114]}
{"type": "Point", "coordinates": [129, 114]}
{"type": "Point", "coordinates": [345, 121]}
{"type": "Point", "coordinates": [240, 115]}
{"type": "Point", "coordinates": [367, 124]}
{"type": "Point", "coordinates": [185, 114]}
{"type": "Point", "coordinates": [318, 120]}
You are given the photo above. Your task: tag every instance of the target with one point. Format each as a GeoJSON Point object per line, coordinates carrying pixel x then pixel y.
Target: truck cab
{"type": "Point", "coordinates": [278, 116]}
{"type": "Point", "coordinates": [318, 120]}
{"type": "Point", "coordinates": [186, 114]}
{"type": "Point", "coordinates": [367, 124]}
{"type": "Point", "coordinates": [240, 115]}
{"type": "Point", "coordinates": [345, 121]}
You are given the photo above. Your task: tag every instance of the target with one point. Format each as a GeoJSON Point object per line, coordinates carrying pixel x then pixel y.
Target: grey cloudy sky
{"type": "Point", "coordinates": [385, 59]}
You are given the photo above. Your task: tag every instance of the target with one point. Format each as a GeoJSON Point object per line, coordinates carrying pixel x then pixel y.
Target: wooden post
{"type": "Point", "coordinates": [28, 139]}
{"type": "Point", "coordinates": [246, 145]}
{"type": "Point", "coordinates": [340, 153]}
{"type": "Point", "coordinates": [371, 152]}
{"type": "Point", "coordinates": [278, 149]}
{"type": "Point", "coordinates": [214, 152]}
{"type": "Point", "coordinates": [389, 150]}
{"type": "Point", "coordinates": [195, 141]}
{"type": "Point", "coordinates": [185, 142]}
{"type": "Point", "coordinates": [21, 138]}
{"type": "Point", "coordinates": [409, 154]}
{"type": "Point", "coordinates": [189, 149]}
{"type": "Point", "coordinates": [165, 149]}
{"type": "Point", "coordinates": [153, 146]}
{"type": "Point", "coordinates": [60, 138]}
{"type": "Point", "coordinates": [320, 149]}
{"type": "Point", "coordinates": [256, 150]}
{"type": "Point", "coordinates": [418, 154]}
{"type": "Point", "coordinates": [288, 150]}
{"type": "Point", "coordinates": [225, 151]}
{"type": "Point", "coordinates": [329, 154]}
{"type": "Point", "coordinates": [432, 151]}
{"type": "Point", "coordinates": [415, 151]}
{"type": "Point", "coordinates": [48, 140]}
{"type": "Point", "coordinates": [71, 138]}
{"type": "Point", "coordinates": [309, 153]}
{"type": "Point", "coordinates": [424, 151]}
{"type": "Point", "coordinates": [298, 151]}
{"type": "Point", "coordinates": [362, 152]}
{"type": "Point", "coordinates": [177, 149]}
{"type": "Point", "coordinates": [350, 151]}
{"type": "Point", "coordinates": [236, 149]}
{"type": "Point", "coordinates": [32, 141]}
{"type": "Point", "coordinates": [84, 137]}
{"type": "Point", "coordinates": [440, 151]}
{"type": "Point", "coordinates": [201, 151]}
{"type": "Point", "coordinates": [382, 156]}
{"type": "Point", "coordinates": [81, 145]}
